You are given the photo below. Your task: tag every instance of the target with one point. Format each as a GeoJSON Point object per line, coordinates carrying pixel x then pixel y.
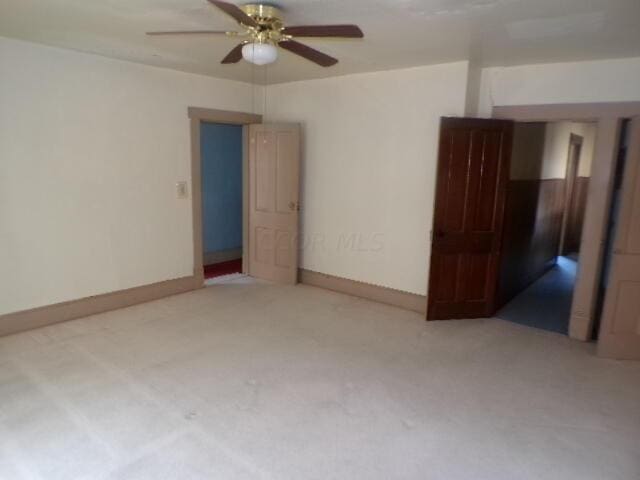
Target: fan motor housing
{"type": "Point", "coordinates": [268, 18]}
{"type": "Point", "coordinates": [263, 14]}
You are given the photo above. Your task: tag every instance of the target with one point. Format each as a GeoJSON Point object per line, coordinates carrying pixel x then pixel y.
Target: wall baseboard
{"type": "Point", "coordinates": [389, 296]}
{"type": "Point", "coordinates": [61, 312]}
{"type": "Point", "coordinates": [211, 258]}
{"type": "Point", "coordinates": [42, 316]}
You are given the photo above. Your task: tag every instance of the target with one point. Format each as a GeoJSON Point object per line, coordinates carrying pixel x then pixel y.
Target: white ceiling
{"type": "Point", "coordinates": [398, 33]}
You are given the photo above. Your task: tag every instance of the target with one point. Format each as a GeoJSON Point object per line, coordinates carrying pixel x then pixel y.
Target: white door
{"type": "Point", "coordinates": [274, 177]}
{"type": "Point", "coordinates": [620, 329]}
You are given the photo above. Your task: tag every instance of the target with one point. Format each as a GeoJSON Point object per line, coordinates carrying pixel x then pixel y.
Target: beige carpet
{"type": "Point", "coordinates": [249, 380]}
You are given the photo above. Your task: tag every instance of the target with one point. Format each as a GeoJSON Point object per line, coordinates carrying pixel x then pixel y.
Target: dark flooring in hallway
{"type": "Point", "coordinates": [223, 268]}
{"type": "Point", "coordinates": [546, 304]}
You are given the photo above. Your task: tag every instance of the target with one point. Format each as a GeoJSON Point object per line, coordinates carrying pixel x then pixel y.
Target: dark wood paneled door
{"type": "Point", "coordinates": [471, 185]}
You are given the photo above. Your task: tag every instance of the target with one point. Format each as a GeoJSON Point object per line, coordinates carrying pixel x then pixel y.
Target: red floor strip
{"type": "Point", "coordinates": [223, 268]}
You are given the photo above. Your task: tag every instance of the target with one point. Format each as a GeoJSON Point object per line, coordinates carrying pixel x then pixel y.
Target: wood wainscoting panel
{"type": "Point", "coordinates": [533, 222]}
{"type": "Point", "coordinates": [61, 312]}
{"type": "Point", "coordinates": [575, 215]}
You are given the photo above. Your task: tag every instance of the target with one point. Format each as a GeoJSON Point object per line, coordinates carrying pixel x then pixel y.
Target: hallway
{"type": "Point", "coordinates": [546, 304]}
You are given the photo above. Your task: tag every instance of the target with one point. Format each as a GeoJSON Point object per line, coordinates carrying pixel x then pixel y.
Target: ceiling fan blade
{"type": "Point", "coordinates": [192, 32]}
{"type": "Point", "coordinates": [343, 31]}
{"type": "Point", "coordinates": [309, 53]}
{"type": "Point", "coordinates": [235, 55]}
{"type": "Point", "coordinates": [235, 12]}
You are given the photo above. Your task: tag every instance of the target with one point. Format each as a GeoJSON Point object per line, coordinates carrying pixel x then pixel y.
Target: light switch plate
{"type": "Point", "coordinates": [181, 190]}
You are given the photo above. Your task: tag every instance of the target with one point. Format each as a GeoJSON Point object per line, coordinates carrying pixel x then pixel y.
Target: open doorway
{"type": "Point", "coordinates": [469, 253]}
{"type": "Point", "coordinates": [214, 133]}
{"type": "Point", "coordinates": [221, 148]}
{"type": "Point", "coordinates": [546, 202]}
{"type": "Point", "coordinates": [510, 205]}
{"type": "Point", "coordinates": [270, 196]}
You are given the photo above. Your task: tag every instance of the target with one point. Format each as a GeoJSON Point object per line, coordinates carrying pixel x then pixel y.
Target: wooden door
{"type": "Point", "coordinates": [274, 171]}
{"type": "Point", "coordinates": [471, 184]}
{"type": "Point", "coordinates": [620, 327]}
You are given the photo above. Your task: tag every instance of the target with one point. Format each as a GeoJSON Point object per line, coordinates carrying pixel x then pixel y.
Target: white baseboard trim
{"type": "Point", "coordinates": [48, 315]}
{"type": "Point", "coordinates": [61, 312]}
{"type": "Point", "coordinates": [389, 296]}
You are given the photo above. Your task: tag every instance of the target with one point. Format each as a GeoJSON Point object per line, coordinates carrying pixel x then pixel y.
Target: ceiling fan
{"type": "Point", "coordinates": [264, 31]}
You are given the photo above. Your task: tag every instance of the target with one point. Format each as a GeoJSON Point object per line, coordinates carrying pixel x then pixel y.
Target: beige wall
{"type": "Point", "coordinates": [370, 152]}
{"type": "Point", "coordinates": [588, 133]}
{"type": "Point", "coordinates": [90, 152]}
{"type": "Point", "coordinates": [556, 150]}
{"type": "Point", "coordinates": [555, 83]}
{"type": "Point", "coordinates": [91, 149]}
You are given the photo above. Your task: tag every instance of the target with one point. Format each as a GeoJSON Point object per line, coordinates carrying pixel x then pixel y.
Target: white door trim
{"type": "Point", "coordinates": [198, 115]}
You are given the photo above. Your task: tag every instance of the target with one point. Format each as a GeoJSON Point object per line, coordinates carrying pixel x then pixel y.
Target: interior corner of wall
{"type": "Point", "coordinates": [485, 98]}
{"type": "Point", "coordinates": [259, 98]}
{"type": "Point", "coordinates": [472, 93]}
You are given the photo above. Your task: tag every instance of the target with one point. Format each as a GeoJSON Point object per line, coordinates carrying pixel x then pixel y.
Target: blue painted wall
{"type": "Point", "coordinates": [221, 151]}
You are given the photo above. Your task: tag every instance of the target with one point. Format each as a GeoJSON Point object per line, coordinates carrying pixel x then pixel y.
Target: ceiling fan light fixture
{"type": "Point", "coordinates": [260, 53]}
{"type": "Point", "coordinates": [263, 32]}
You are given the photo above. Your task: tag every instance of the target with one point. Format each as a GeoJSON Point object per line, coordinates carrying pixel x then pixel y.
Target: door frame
{"type": "Point", "coordinates": [608, 118]}
{"type": "Point", "coordinates": [571, 175]}
{"type": "Point", "coordinates": [196, 116]}
{"type": "Point", "coordinates": [616, 339]}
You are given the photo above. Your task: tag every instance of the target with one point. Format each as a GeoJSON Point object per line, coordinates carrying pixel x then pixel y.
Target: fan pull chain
{"type": "Point", "coordinates": [253, 88]}
{"type": "Point", "coordinates": [264, 93]}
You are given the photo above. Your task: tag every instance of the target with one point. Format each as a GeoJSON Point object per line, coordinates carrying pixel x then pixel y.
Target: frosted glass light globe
{"type": "Point", "coordinates": [260, 53]}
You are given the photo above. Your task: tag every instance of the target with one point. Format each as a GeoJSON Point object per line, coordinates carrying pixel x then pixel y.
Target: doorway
{"type": "Point", "coordinates": [618, 336]}
{"type": "Point", "coordinates": [510, 204]}
{"type": "Point", "coordinates": [546, 200]}
{"type": "Point", "coordinates": [221, 156]}
{"type": "Point", "coordinates": [510, 197]}
{"type": "Point", "coordinates": [202, 120]}
{"type": "Point", "coordinates": [270, 194]}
